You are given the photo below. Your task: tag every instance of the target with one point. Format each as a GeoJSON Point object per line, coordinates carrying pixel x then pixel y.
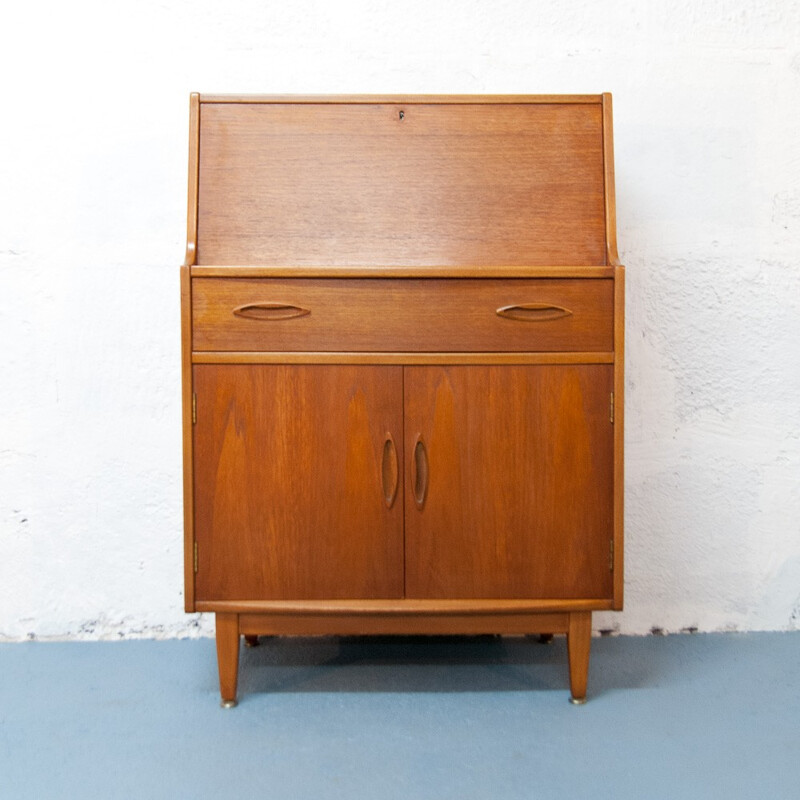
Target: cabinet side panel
{"type": "Point", "coordinates": [619, 435]}
{"type": "Point", "coordinates": [520, 482]}
{"type": "Point", "coordinates": [188, 491]}
{"type": "Point", "coordinates": [401, 184]}
{"type": "Point", "coordinates": [292, 474]}
{"type": "Point", "coordinates": [194, 165]}
{"type": "Point", "coordinates": [612, 258]}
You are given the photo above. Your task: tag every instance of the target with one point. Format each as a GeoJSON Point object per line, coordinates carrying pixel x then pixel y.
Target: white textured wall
{"type": "Point", "coordinates": [93, 145]}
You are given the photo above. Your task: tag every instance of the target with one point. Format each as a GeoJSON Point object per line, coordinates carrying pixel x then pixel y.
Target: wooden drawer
{"type": "Point", "coordinates": [402, 315]}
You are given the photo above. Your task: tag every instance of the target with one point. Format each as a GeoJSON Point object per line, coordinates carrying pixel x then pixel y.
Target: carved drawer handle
{"type": "Point", "coordinates": [270, 311]}
{"type": "Point", "coordinates": [419, 472]}
{"type": "Point", "coordinates": [389, 471]}
{"type": "Point", "coordinates": [533, 312]}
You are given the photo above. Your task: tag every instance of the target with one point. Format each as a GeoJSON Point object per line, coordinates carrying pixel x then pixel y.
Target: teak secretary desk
{"type": "Point", "coordinates": [402, 368]}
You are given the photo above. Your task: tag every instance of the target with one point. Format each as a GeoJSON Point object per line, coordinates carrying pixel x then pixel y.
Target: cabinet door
{"type": "Point", "coordinates": [293, 481]}
{"type": "Point", "coordinates": [509, 494]}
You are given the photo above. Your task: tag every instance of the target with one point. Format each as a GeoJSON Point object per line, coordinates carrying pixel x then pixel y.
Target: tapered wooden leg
{"type": "Point", "coordinates": [579, 642]}
{"type": "Point", "coordinates": [228, 657]}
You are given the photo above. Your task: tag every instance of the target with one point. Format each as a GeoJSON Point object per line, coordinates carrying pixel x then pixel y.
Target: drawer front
{"type": "Point", "coordinates": [402, 315]}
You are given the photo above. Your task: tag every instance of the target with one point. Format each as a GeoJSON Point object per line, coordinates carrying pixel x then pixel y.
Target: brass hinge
{"type": "Point", "coordinates": [194, 408]}
{"type": "Point", "coordinates": [195, 556]}
{"type": "Point", "coordinates": [610, 556]}
{"type": "Point", "coordinates": [611, 409]}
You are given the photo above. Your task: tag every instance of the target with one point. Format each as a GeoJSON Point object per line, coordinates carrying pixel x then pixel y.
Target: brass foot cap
{"type": "Point", "coordinates": [577, 701]}
{"type": "Point", "coordinates": [227, 703]}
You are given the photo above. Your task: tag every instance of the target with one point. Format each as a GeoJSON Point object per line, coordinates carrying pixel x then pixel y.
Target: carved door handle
{"type": "Point", "coordinates": [389, 471]}
{"type": "Point", "coordinates": [270, 311]}
{"type": "Point", "coordinates": [533, 312]}
{"type": "Point", "coordinates": [419, 472]}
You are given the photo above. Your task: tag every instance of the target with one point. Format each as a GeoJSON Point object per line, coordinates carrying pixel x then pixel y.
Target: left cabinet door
{"type": "Point", "coordinates": [296, 472]}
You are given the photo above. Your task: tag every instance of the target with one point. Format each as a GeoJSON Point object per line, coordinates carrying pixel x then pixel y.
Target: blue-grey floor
{"type": "Point", "coordinates": [690, 716]}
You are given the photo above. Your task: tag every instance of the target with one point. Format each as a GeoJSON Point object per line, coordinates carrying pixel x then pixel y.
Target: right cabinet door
{"type": "Point", "coordinates": [510, 488]}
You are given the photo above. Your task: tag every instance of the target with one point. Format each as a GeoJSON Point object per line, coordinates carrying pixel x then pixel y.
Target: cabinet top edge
{"type": "Point", "coordinates": [431, 99]}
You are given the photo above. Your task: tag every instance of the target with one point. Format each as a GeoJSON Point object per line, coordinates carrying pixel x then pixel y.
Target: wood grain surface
{"type": "Point", "coordinates": [188, 460]}
{"type": "Point", "coordinates": [289, 496]}
{"type": "Point", "coordinates": [619, 437]}
{"type": "Point", "coordinates": [409, 606]}
{"type": "Point", "coordinates": [345, 624]}
{"type": "Point", "coordinates": [579, 643]}
{"type": "Point", "coordinates": [406, 315]}
{"type": "Point", "coordinates": [403, 321]}
{"type": "Point", "coordinates": [227, 635]}
{"type": "Point", "coordinates": [519, 502]}
{"type": "Point", "coordinates": [401, 184]}
{"type": "Point", "coordinates": [428, 271]}
{"type": "Point", "coordinates": [435, 99]}
{"type": "Point", "coordinates": [400, 357]}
